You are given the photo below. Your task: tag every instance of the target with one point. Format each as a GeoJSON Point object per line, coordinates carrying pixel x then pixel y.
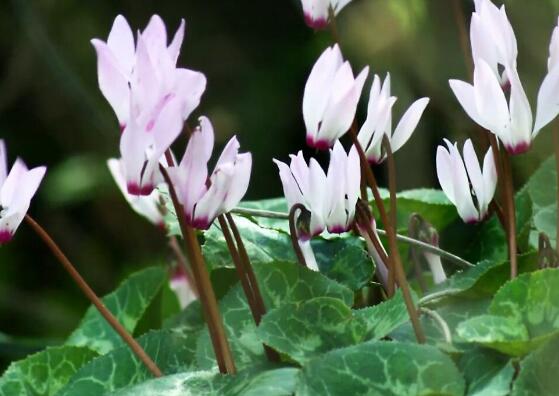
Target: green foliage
{"type": "Point", "coordinates": [522, 315]}
{"type": "Point", "coordinates": [306, 330]}
{"type": "Point", "coordinates": [44, 373]}
{"type": "Point", "coordinates": [487, 373]}
{"type": "Point", "coordinates": [172, 351]}
{"type": "Point", "coordinates": [382, 368]}
{"type": "Point", "coordinates": [280, 283]}
{"type": "Point", "coordinates": [128, 304]}
{"type": "Point", "coordinates": [537, 376]}
{"type": "Point", "coordinates": [278, 382]}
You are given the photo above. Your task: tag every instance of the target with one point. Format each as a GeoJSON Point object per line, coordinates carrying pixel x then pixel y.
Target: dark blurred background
{"type": "Point", "coordinates": [256, 56]}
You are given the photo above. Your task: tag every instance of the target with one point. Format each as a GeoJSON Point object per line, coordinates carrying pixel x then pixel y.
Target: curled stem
{"type": "Point", "coordinates": [293, 232]}
{"type": "Point", "coordinates": [208, 300]}
{"type": "Point", "coordinates": [440, 322]}
{"type": "Point", "coordinates": [93, 298]}
{"type": "Point", "coordinates": [390, 230]}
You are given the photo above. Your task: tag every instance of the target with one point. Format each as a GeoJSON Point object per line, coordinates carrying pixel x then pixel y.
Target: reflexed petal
{"type": "Point", "coordinates": [8, 194]}
{"type": "Point", "coordinates": [3, 163]}
{"type": "Point", "coordinates": [155, 35]}
{"type": "Point", "coordinates": [553, 59]}
{"type": "Point", "coordinates": [353, 182]}
{"type": "Point", "coordinates": [318, 88]}
{"type": "Point", "coordinates": [175, 46]}
{"type": "Point", "coordinates": [520, 112]}
{"type": "Point", "coordinates": [241, 179]}
{"type": "Point", "coordinates": [548, 100]}
{"type": "Point", "coordinates": [464, 203]}
{"type": "Point", "coordinates": [315, 197]}
{"type": "Point", "coordinates": [341, 109]}
{"type": "Point", "coordinates": [209, 207]}
{"type": "Point", "coordinates": [489, 179]}
{"type": "Point", "coordinates": [444, 173]}
{"type": "Point", "coordinates": [464, 92]}
{"type": "Point", "coordinates": [189, 87]}
{"type": "Point", "coordinates": [230, 151]}
{"type": "Point", "coordinates": [290, 188]}
{"type": "Point", "coordinates": [112, 82]}
{"type": "Point", "coordinates": [300, 171]}
{"type": "Point", "coordinates": [474, 172]}
{"type": "Point", "coordinates": [490, 101]}
{"type": "Point", "coordinates": [482, 47]}
{"type": "Point", "coordinates": [337, 5]}
{"type": "Point", "coordinates": [316, 13]}
{"type": "Point", "coordinates": [121, 43]}
{"type": "Point", "coordinates": [408, 123]}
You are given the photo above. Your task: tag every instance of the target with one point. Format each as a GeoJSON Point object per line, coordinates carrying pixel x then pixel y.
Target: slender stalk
{"type": "Point", "coordinates": [208, 300]}
{"type": "Point", "coordinates": [401, 238]}
{"type": "Point", "coordinates": [511, 216]}
{"type": "Point", "coordinates": [271, 354]}
{"type": "Point", "coordinates": [293, 233]}
{"type": "Point", "coordinates": [556, 145]}
{"type": "Point", "coordinates": [500, 182]}
{"type": "Point", "coordinates": [440, 322]}
{"type": "Point", "coordinates": [256, 314]}
{"type": "Point", "coordinates": [181, 260]}
{"type": "Point", "coordinates": [96, 301]}
{"type": "Point", "coordinates": [412, 311]}
{"type": "Point", "coordinates": [398, 268]}
{"type": "Point", "coordinates": [390, 230]}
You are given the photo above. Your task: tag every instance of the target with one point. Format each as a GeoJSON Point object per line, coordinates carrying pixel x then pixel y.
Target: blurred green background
{"type": "Point", "coordinates": [256, 57]}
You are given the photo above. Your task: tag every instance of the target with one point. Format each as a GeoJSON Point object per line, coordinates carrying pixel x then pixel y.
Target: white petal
{"type": "Point", "coordinates": [408, 123]}
{"type": "Point", "coordinates": [318, 88]}
{"type": "Point", "coordinates": [548, 100]}
{"type": "Point", "coordinates": [317, 187]}
{"type": "Point", "coordinates": [520, 112]}
{"type": "Point", "coordinates": [241, 179]}
{"type": "Point", "coordinates": [189, 87]}
{"type": "Point", "coordinates": [444, 173]}
{"type": "Point", "coordinates": [290, 188]}
{"type": "Point", "coordinates": [175, 46]}
{"type": "Point", "coordinates": [121, 43]}
{"type": "Point", "coordinates": [464, 92]}
{"type": "Point", "coordinates": [3, 163]}
{"type": "Point", "coordinates": [464, 202]}
{"type": "Point", "coordinates": [476, 177]}
{"type": "Point", "coordinates": [8, 194]}
{"type": "Point", "coordinates": [489, 179]}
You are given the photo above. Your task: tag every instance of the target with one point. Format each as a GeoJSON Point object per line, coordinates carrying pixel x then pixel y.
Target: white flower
{"type": "Point", "coordinates": [329, 198]}
{"type": "Point", "coordinates": [379, 121]}
{"type": "Point", "coordinates": [317, 12]}
{"type": "Point", "coordinates": [330, 98]}
{"type": "Point", "coordinates": [147, 206]}
{"type": "Point", "coordinates": [17, 188]}
{"type": "Point", "coordinates": [202, 199]}
{"type": "Point", "coordinates": [455, 180]}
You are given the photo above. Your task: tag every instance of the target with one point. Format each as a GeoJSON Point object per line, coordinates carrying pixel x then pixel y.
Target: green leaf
{"type": "Point", "coordinates": [172, 351]}
{"type": "Point", "coordinates": [384, 369]}
{"type": "Point", "coordinates": [381, 319]}
{"type": "Point", "coordinates": [280, 283]}
{"type": "Point", "coordinates": [127, 303]}
{"type": "Point", "coordinates": [344, 260]}
{"type": "Point", "coordinates": [311, 328]}
{"type": "Point", "coordinates": [487, 373]}
{"type": "Point", "coordinates": [545, 220]}
{"type": "Point", "coordinates": [278, 382]}
{"type": "Point", "coordinates": [272, 204]}
{"type": "Point", "coordinates": [523, 315]}
{"type": "Point", "coordinates": [263, 245]}
{"type": "Point", "coordinates": [538, 372]}
{"type": "Point", "coordinates": [44, 373]}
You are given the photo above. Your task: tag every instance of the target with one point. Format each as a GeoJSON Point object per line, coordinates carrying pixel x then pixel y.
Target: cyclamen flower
{"type": "Point", "coordinates": [455, 180]}
{"type": "Point", "coordinates": [147, 206]}
{"type": "Point", "coordinates": [330, 98]}
{"type": "Point", "coordinates": [180, 284]}
{"type": "Point", "coordinates": [511, 121]}
{"type": "Point", "coordinates": [317, 12]}
{"type": "Point", "coordinates": [329, 198]}
{"type": "Point", "coordinates": [202, 199]}
{"type": "Point", "coordinates": [379, 121]}
{"type": "Point", "coordinates": [16, 190]}
{"type": "Point", "coordinates": [493, 38]}
{"type": "Point", "coordinates": [146, 70]}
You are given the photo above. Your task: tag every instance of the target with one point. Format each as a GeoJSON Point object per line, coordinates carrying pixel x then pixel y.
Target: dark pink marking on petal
{"type": "Point", "coordinates": [134, 189]}
{"type": "Point", "coordinates": [122, 128]}
{"type": "Point", "coordinates": [310, 141]}
{"type": "Point", "coordinates": [322, 144]}
{"type": "Point", "coordinates": [519, 148]}
{"type": "Point", "coordinates": [5, 236]}
{"type": "Point", "coordinates": [316, 24]}
{"type": "Point", "coordinates": [150, 125]}
{"type": "Point", "coordinates": [201, 223]}
{"type": "Point", "coordinates": [337, 229]}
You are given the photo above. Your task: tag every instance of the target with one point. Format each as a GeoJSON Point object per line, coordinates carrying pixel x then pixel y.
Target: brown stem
{"type": "Point", "coordinates": [181, 260]}
{"type": "Point", "coordinates": [398, 268]}
{"type": "Point", "coordinates": [293, 232]}
{"type": "Point", "coordinates": [495, 207]}
{"type": "Point", "coordinates": [500, 182]}
{"type": "Point", "coordinates": [460, 20]}
{"type": "Point", "coordinates": [271, 354]}
{"type": "Point", "coordinates": [511, 216]}
{"type": "Point", "coordinates": [256, 314]}
{"type": "Point", "coordinates": [556, 145]}
{"type": "Point", "coordinates": [412, 311]}
{"type": "Point", "coordinates": [96, 301]}
{"type": "Point", "coordinates": [208, 300]}
{"type": "Point", "coordinates": [371, 180]}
